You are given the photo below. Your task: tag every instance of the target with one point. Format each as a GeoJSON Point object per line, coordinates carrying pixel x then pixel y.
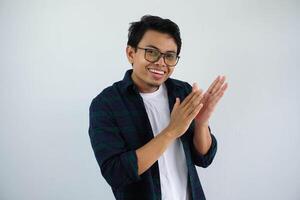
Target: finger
{"type": "Point", "coordinates": [194, 112]}
{"type": "Point", "coordinates": [221, 89]}
{"type": "Point", "coordinates": [205, 97]}
{"type": "Point", "coordinates": [195, 87]}
{"type": "Point", "coordinates": [193, 105]}
{"type": "Point", "coordinates": [176, 104]}
{"type": "Point", "coordinates": [213, 84]}
{"type": "Point", "coordinates": [218, 96]}
{"type": "Point", "coordinates": [194, 101]}
{"type": "Point", "coordinates": [216, 100]}
{"type": "Point", "coordinates": [188, 98]}
{"type": "Point", "coordinates": [218, 85]}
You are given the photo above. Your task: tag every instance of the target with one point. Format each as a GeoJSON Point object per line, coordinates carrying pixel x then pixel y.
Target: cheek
{"type": "Point", "coordinates": [170, 71]}
{"type": "Point", "coordinates": [141, 66]}
{"type": "Point", "coordinates": [142, 69]}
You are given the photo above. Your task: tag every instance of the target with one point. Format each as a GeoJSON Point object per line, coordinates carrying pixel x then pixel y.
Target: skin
{"type": "Point", "coordinates": [198, 105]}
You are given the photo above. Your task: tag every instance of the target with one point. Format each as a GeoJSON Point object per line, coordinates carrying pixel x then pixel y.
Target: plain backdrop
{"type": "Point", "coordinates": [55, 56]}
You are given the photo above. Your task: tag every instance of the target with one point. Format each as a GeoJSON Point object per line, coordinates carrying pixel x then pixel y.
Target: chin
{"type": "Point", "coordinates": [155, 83]}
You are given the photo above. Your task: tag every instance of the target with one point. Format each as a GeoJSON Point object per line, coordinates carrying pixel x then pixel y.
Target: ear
{"type": "Point", "coordinates": [130, 53]}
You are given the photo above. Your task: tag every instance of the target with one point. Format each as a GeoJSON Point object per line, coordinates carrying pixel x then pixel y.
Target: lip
{"type": "Point", "coordinates": [158, 69]}
{"type": "Point", "coordinates": [156, 76]}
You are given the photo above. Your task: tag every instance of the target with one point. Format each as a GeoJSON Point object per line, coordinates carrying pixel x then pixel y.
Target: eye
{"type": "Point", "coordinates": [171, 56]}
{"type": "Point", "coordinates": [152, 52]}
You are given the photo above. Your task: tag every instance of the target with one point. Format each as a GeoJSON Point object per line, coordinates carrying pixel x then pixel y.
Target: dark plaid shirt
{"type": "Point", "coordinates": [119, 125]}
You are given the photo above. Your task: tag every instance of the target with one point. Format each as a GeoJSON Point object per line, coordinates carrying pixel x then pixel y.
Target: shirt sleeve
{"type": "Point", "coordinates": [204, 160]}
{"type": "Point", "coordinates": [117, 163]}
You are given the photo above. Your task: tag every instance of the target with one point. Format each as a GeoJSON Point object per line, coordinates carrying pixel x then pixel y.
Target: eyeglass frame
{"type": "Point", "coordinates": [161, 55]}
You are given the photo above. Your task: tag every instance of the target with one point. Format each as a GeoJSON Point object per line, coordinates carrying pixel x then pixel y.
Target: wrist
{"type": "Point", "coordinates": [170, 133]}
{"type": "Point", "coordinates": [199, 124]}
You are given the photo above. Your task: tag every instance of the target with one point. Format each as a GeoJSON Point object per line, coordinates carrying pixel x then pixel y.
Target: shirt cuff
{"type": "Point", "coordinates": [129, 161]}
{"type": "Point", "coordinates": [205, 160]}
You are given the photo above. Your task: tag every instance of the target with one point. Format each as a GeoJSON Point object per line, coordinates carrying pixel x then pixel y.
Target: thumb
{"type": "Point", "coordinates": [177, 103]}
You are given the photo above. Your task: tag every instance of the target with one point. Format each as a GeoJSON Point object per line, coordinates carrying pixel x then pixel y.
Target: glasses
{"type": "Point", "coordinates": [153, 55]}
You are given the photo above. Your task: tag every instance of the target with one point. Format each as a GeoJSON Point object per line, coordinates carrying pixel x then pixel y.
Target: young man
{"type": "Point", "coordinates": [148, 131]}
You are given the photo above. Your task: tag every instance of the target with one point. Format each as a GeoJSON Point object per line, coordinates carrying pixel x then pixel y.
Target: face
{"type": "Point", "coordinates": [146, 75]}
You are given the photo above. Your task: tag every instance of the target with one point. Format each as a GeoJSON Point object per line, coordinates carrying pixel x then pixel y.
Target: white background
{"type": "Point", "coordinates": [55, 56]}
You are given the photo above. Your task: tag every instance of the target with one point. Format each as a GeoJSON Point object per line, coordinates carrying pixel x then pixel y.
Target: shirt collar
{"type": "Point", "coordinates": [128, 84]}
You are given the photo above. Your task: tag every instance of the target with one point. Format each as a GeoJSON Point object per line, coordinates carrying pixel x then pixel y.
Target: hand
{"type": "Point", "coordinates": [183, 113]}
{"type": "Point", "coordinates": [211, 97]}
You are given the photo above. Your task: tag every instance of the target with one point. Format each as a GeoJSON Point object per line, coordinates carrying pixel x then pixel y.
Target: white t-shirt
{"type": "Point", "coordinates": [172, 163]}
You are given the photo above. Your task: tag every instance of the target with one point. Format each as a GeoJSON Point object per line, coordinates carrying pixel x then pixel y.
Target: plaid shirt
{"type": "Point", "coordinates": [119, 125]}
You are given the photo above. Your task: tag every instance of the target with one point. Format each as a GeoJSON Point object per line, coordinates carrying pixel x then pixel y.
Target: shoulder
{"type": "Point", "coordinates": [179, 85]}
{"type": "Point", "coordinates": [107, 95]}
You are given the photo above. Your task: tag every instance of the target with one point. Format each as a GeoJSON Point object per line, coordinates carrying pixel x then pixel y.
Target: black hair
{"type": "Point", "coordinates": [137, 30]}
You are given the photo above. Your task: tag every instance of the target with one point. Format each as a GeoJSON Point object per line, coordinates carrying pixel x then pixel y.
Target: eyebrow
{"type": "Point", "coordinates": [159, 49]}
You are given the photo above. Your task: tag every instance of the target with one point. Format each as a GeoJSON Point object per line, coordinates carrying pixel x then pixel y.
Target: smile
{"type": "Point", "coordinates": [157, 71]}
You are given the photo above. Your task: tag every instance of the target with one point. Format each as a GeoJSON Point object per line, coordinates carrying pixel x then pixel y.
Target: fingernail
{"type": "Point", "coordinates": [196, 86]}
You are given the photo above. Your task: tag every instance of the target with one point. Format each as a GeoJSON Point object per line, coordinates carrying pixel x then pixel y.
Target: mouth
{"type": "Point", "coordinates": [156, 71]}
{"type": "Point", "coordinates": [156, 74]}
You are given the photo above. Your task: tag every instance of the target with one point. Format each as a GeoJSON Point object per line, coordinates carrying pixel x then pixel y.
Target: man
{"type": "Point", "coordinates": [148, 131]}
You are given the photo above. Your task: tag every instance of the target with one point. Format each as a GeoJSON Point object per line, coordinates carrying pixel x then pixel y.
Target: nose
{"type": "Point", "coordinates": [161, 61]}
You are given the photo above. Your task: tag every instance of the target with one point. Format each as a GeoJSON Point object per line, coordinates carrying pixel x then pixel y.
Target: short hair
{"type": "Point", "coordinates": [137, 30]}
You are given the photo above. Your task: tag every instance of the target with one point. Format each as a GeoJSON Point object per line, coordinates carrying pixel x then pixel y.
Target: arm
{"type": "Point", "coordinates": [204, 143]}
{"type": "Point", "coordinates": [202, 139]}
{"type": "Point", "coordinates": [117, 163]}
{"type": "Point", "coordinates": [203, 157]}
{"type": "Point", "coordinates": [148, 154]}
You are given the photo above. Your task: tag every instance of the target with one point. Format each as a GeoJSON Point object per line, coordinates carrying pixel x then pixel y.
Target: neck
{"type": "Point", "coordinates": [142, 86]}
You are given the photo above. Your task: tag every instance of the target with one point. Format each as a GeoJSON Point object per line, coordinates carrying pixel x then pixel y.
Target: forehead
{"type": "Point", "coordinates": [163, 41]}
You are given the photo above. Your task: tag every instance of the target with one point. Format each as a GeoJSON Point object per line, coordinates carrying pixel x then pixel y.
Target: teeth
{"type": "Point", "coordinates": [156, 71]}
